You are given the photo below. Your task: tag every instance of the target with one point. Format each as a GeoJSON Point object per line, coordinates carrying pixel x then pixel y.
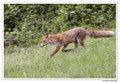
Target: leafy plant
{"type": "Point", "coordinates": [30, 21]}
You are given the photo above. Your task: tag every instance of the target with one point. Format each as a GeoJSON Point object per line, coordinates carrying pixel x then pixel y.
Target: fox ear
{"type": "Point", "coordinates": [44, 34]}
{"type": "Point", "coordinates": [47, 34]}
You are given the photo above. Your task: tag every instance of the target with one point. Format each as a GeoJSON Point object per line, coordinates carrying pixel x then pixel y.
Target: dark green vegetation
{"type": "Point", "coordinates": [25, 24]}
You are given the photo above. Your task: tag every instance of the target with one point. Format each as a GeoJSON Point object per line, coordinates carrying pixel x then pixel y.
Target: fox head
{"type": "Point", "coordinates": [46, 40]}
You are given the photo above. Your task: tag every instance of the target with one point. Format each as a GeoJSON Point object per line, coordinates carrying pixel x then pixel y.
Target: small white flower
{"type": "Point", "coordinates": [66, 13]}
{"type": "Point", "coordinates": [22, 49]}
{"type": "Point", "coordinates": [72, 12]}
{"type": "Point", "coordinates": [61, 11]}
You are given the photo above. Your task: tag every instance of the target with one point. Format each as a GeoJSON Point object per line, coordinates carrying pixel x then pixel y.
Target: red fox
{"type": "Point", "coordinates": [76, 35]}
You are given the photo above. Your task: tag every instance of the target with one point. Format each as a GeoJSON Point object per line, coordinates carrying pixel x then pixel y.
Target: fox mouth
{"type": "Point", "coordinates": [42, 45]}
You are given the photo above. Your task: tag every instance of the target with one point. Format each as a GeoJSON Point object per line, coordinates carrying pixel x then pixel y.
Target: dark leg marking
{"type": "Point", "coordinates": [67, 50]}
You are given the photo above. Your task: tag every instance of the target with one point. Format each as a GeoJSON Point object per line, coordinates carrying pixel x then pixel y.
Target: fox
{"type": "Point", "coordinates": [75, 35]}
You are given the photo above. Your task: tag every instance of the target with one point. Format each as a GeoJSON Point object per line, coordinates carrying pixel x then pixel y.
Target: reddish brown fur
{"type": "Point", "coordinates": [76, 35]}
{"type": "Point", "coordinates": [97, 34]}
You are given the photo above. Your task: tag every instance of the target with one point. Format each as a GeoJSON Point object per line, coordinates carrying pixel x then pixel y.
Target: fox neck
{"type": "Point", "coordinates": [53, 39]}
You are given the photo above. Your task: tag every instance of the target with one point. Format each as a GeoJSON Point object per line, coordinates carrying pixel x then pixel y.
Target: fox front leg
{"type": "Point", "coordinates": [56, 50]}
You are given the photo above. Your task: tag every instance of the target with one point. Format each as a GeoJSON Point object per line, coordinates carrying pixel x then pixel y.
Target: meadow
{"type": "Point", "coordinates": [98, 60]}
{"type": "Point", "coordinates": [24, 25]}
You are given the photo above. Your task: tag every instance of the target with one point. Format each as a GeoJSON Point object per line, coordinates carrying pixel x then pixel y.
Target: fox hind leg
{"type": "Point", "coordinates": [64, 50]}
{"type": "Point", "coordinates": [81, 42]}
{"type": "Point", "coordinates": [67, 50]}
{"type": "Point", "coordinates": [80, 39]}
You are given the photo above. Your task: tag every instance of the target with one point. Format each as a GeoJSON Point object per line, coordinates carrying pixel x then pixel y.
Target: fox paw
{"type": "Point", "coordinates": [48, 58]}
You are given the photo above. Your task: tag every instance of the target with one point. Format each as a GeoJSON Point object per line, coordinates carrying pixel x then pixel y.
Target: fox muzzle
{"type": "Point", "coordinates": [48, 42]}
{"type": "Point", "coordinates": [42, 45]}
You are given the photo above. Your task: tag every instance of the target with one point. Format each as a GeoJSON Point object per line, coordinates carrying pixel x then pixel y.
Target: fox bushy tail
{"type": "Point", "coordinates": [98, 33]}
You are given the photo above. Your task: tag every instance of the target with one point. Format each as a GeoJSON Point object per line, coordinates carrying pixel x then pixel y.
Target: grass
{"type": "Point", "coordinates": [98, 60]}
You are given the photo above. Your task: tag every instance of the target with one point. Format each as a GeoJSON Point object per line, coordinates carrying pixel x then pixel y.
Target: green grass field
{"type": "Point", "coordinates": [98, 60]}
